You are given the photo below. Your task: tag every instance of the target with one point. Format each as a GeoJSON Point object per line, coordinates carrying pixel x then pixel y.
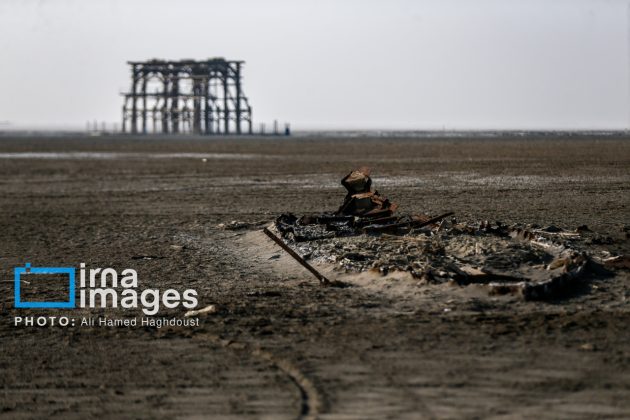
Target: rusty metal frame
{"type": "Point", "coordinates": [199, 97]}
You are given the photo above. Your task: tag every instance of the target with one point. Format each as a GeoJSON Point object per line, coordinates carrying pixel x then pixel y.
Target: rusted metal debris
{"type": "Point", "coordinates": [411, 224]}
{"type": "Point", "coordinates": [361, 200]}
{"type": "Point", "coordinates": [555, 285]}
{"type": "Point", "coordinates": [323, 280]}
{"type": "Point", "coordinates": [362, 211]}
{"type": "Point", "coordinates": [365, 234]}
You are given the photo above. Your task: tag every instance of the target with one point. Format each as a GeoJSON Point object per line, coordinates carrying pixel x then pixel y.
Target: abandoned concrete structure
{"type": "Point", "coordinates": [186, 96]}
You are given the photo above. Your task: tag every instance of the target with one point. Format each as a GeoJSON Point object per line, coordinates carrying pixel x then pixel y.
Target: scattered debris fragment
{"type": "Point", "coordinates": [210, 309]}
{"type": "Point", "coordinates": [238, 225]}
{"type": "Point", "coordinates": [233, 225]}
{"type": "Point", "coordinates": [620, 261]}
{"type": "Point", "coordinates": [588, 347]}
{"type": "Point", "coordinates": [146, 257]}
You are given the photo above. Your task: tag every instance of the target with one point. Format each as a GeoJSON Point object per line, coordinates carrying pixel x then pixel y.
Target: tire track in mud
{"type": "Point", "coordinates": [314, 405]}
{"type": "Point", "coordinates": [311, 400]}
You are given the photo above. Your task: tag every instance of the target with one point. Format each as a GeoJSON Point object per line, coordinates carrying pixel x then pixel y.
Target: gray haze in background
{"type": "Point", "coordinates": [332, 64]}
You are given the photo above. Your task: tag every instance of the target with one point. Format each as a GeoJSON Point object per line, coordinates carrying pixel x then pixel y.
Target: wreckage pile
{"type": "Point", "coordinates": [365, 235]}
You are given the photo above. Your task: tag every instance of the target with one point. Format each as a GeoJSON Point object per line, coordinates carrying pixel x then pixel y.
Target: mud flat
{"type": "Point", "coordinates": [279, 345]}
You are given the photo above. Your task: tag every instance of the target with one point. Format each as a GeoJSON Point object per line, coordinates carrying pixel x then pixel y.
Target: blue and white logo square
{"type": "Point", "coordinates": [31, 273]}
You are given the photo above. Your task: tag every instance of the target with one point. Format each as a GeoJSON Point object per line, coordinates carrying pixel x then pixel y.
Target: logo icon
{"type": "Point", "coordinates": [27, 269]}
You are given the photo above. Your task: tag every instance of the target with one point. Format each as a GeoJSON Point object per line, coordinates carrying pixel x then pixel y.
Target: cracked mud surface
{"type": "Point", "coordinates": [280, 345]}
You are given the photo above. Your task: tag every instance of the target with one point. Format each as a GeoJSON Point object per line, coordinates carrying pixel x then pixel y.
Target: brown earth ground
{"type": "Point", "coordinates": [281, 346]}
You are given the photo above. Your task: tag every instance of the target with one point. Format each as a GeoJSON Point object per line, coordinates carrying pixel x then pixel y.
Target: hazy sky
{"type": "Point", "coordinates": [391, 64]}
